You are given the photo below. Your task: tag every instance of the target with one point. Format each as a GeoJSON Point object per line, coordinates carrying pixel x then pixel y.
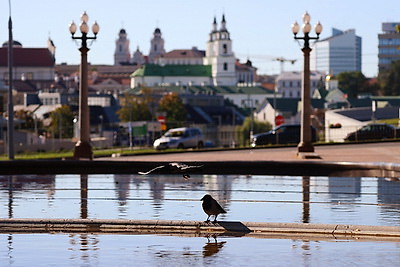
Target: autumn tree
{"type": "Point", "coordinates": [134, 108]}
{"type": "Point", "coordinates": [174, 108]}
{"type": "Point", "coordinates": [27, 118]}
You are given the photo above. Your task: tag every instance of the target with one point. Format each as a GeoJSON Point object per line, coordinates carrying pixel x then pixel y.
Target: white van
{"type": "Point", "coordinates": [180, 138]}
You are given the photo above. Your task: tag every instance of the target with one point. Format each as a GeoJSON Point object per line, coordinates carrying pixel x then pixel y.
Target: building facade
{"type": "Point", "coordinates": [192, 64]}
{"type": "Point", "coordinates": [122, 54]}
{"type": "Point", "coordinates": [288, 84]}
{"type": "Point", "coordinates": [339, 53]}
{"type": "Point", "coordinates": [389, 43]}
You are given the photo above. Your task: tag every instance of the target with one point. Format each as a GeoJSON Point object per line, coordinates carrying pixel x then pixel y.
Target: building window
{"type": "Point", "coordinates": [225, 66]}
{"type": "Point", "coordinates": [225, 48]}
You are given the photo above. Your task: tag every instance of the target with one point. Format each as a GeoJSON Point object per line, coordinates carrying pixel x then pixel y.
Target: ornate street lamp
{"type": "Point", "coordinates": [305, 145]}
{"type": "Point", "coordinates": [83, 148]}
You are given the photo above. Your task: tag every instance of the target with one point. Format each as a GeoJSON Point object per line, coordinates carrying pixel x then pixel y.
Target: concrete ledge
{"type": "Point", "coordinates": [296, 168]}
{"type": "Point", "coordinates": [199, 228]}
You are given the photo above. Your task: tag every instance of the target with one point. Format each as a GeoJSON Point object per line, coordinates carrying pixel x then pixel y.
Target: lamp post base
{"type": "Point", "coordinates": [83, 150]}
{"type": "Point", "coordinates": [305, 147]}
{"type": "Point", "coordinates": [306, 151]}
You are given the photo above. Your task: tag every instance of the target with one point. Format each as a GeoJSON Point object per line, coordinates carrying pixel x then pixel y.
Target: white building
{"type": "Point", "coordinates": [288, 84]}
{"type": "Point", "coordinates": [339, 53]}
{"type": "Point", "coordinates": [220, 56]}
{"type": "Point", "coordinates": [192, 65]}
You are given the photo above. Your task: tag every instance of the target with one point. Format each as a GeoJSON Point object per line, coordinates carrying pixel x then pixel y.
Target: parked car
{"type": "Point", "coordinates": [180, 138]}
{"type": "Point", "coordinates": [374, 131]}
{"type": "Point", "coordinates": [283, 134]}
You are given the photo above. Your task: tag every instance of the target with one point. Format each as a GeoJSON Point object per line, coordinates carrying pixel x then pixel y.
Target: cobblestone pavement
{"type": "Point", "coordinates": [370, 152]}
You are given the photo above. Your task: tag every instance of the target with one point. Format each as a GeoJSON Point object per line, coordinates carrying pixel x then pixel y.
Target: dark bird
{"type": "Point", "coordinates": [211, 207]}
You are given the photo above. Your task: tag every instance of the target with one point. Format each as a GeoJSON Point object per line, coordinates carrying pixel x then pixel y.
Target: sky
{"type": "Point", "coordinates": [260, 29]}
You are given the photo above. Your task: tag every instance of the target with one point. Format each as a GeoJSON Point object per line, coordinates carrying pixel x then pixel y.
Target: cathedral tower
{"type": "Point", "coordinates": [157, 46]}
{"type": "Point", "coordinates": [122, 55]}
{"type": "Point", "coordinates": [220, 56]}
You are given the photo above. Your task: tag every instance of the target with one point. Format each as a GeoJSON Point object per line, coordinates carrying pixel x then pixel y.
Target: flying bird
{"type": "Point", "coordinates": [173, 167]}
{"type": "Point", "coordinates": [211, 207]}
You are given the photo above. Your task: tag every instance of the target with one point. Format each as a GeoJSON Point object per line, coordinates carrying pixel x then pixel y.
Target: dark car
{"type": "Point", "coordinates": [374, 131]}
{"type": "Point", "coordinates": [283, 134]}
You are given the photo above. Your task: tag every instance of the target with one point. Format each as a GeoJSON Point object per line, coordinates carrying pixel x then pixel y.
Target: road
{"type": "Point", "coordinates": [369, 152]}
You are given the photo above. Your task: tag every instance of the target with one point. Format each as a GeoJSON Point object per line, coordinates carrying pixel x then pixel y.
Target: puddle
{"type": "Point", "coordinates": [325, 200]}
{"type": "Point", "coordinates": [151, 250]}
{"type": "Point", "coordinates": [328, 200]}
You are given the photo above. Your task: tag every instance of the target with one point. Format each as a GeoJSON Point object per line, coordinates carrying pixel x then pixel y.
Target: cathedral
{"type": "Point", "coordinates": [217, 66]}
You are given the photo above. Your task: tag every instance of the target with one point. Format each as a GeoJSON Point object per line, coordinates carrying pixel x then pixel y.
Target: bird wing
{"type": "Point", "coordinates": [221, 210]}
{"type": "Point", "coordinates": [152, 170]}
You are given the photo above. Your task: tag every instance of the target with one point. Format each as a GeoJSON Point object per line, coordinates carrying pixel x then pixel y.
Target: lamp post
{"type": "Point", "coordinates": [305, 144]}
{"type": "Point", "coordinates": [83, 148]}
{"type": "Point", "coordinates": [10, 122]}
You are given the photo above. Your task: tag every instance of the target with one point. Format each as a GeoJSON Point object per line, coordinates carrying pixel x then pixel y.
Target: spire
{"type": "Point", "coordinates": [223, 23]}
{"type": "Point", "coordinates": [214, 28]}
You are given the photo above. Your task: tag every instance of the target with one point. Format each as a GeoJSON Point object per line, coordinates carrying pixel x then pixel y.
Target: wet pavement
{"type": "Point", "coordinates": [369, 152]}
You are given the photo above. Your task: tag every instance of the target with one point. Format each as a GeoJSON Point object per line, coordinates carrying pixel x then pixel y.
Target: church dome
{"type": "Point", "coordinates": [15, 44]}
{"type": "Point", "coordinates": [157, 30]}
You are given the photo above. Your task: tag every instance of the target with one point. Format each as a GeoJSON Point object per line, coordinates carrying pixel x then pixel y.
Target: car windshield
{"type": "Point", "coordinates": [174, 134]}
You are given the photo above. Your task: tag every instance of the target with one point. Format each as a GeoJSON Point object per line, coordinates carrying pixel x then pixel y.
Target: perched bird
{"type": "Point", "coordinates": [211, 207]}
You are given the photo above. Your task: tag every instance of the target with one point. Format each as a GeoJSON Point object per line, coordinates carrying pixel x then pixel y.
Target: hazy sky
{"type": "Point", "coordinates": [260, 29]}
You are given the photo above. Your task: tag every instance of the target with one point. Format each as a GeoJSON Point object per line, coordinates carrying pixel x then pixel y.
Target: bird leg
{"type": "Point", "coordinates": [208, 219]}
{"type": "Point", "coordinates": [215, 219]}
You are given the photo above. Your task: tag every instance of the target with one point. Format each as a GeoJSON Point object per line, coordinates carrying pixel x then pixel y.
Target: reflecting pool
{"type": "Point", "coordinates": [325, 200]}
{"type": "Point", "coordinates": [152, 250]}
{"type": "Point", "coordinates": [330, 200]}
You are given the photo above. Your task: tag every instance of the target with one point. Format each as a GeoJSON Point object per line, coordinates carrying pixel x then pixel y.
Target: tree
{"type": "Point", "coordinates": [174, 108]}
{"type": "Point", "coordinates": [27, 118]}
{"type": "Point", "coordinates": [62, 122]}
{"type": "Point", "coordinates": [258, 127]}
{"type": "Point", "coordinates": [389, 80]}
{"type": "Point", "coordinates": [354, 83]}
{"type": "Point", "coordinates": [134, 109]}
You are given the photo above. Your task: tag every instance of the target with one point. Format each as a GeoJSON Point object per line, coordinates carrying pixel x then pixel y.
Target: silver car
{"type": "Point", "coordinates": [180, 138]}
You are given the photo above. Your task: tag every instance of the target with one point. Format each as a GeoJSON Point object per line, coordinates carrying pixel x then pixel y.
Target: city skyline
{"type": "Point", "coordinates": [260, 31]}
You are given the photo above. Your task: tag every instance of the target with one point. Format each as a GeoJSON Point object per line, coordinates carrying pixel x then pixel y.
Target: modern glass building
{"type": "Point", "coordinates": [338, 53]}
{"type": "Point", "coordinates": [389, 45]}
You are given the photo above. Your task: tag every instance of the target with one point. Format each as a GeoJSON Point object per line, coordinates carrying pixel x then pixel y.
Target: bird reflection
{"type": "Point", "coordinates": [212, 247]}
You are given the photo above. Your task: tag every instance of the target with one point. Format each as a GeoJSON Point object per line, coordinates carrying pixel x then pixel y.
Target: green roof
{"type": "Point", "coordinates": [173, 70]}
{"type": "Point", "coordinates": [222, 90]}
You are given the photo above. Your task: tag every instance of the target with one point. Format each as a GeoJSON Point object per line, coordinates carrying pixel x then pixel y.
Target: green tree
{"type": "Point", "coordinates": [244, 129]}
{"type": "Point", "coordinates": [173, 106]}
{"type": "Point", "coordinates": [134, 108]}
{"type": "Point", "coordinates": [389, 80]}
{"type": "Point", "coordinates": [62, 122]}
{"type": "Point", "coordinates": [354, 83]}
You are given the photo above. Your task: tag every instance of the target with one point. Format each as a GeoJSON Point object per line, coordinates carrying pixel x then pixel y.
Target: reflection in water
{"type": "Point", "coordinates": [306, 198]}
{"type": "Point", "coordinates": [389, 195]}
{"type": "Point", "coordinates": [345, 188]}
{"type": "Point", "coordinates": [253, 198]}
{"type": "Point", "coordinates": [212, 247]}
{"type": "Point", "coordinates": [122, 188]}
{"type": "Point", "coordinates": [84, 247]}
{"type": "Point", "coordinates": [84, 196]}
